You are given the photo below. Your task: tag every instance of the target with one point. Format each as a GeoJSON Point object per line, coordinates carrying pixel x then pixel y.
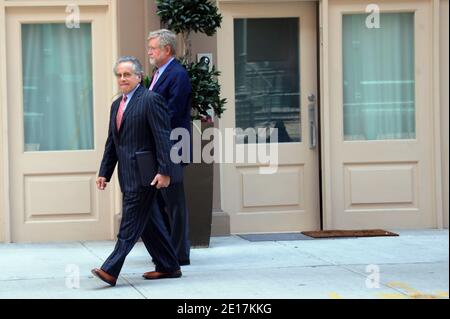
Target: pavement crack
{"type": "Point", "coordinates": [120, 276]}
{"type": "Point", "coordinates": [91, 251]}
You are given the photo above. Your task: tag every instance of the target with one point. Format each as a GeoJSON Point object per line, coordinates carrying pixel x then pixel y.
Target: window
{"type": "Point", "coordinates": [267, 80]}
{"type": "Point", "coordinates": [57, 87]}
{"type": "Point", "coordinates": [378, 77]}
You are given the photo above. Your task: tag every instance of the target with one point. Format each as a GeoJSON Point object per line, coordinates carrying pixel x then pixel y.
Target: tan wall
{"type": "Point", "coordinates": [444, 65]}
{"type": "Point", "coordinates": [134, 22]}
{"type": "Point", "coordinates": [132, 37]}
{"type": "Point", "coordinates": [204, 44]}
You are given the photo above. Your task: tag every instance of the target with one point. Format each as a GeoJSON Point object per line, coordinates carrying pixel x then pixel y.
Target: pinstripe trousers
{"type": "Point", "coordinates": [139, 219]}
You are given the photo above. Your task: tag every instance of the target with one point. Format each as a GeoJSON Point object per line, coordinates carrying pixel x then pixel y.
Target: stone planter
{"type": "Point", "coordinates": [198, 185]}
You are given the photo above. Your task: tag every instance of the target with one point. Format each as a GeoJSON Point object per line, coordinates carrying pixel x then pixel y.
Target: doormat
{"type": "Point", "coordinates": [275, 237]}
{"type": "Point", "coordinates": [348, 233]}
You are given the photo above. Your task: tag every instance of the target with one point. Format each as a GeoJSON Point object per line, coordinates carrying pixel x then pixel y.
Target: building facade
{"type": "Point", "coordinates": [358, 91]}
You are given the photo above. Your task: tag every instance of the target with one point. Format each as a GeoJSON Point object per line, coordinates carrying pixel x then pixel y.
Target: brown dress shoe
{"type": "Point", "coordinates": [103, 275]}
{"type": "Point", "coordinates": [161, 275]}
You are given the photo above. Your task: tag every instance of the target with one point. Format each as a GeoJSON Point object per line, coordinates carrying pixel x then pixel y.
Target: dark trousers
{"type": "Point", "coordinates": [139, 219]}
{"type": "Point", "coordinates": [171, 203]}
{"type": "Point", "coordinates": [173, 200]}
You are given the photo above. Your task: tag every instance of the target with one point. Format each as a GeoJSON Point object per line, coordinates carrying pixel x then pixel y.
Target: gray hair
{"type": "Point", "coordinates": [137, 66]}
{"type": "Point", "coordinates": [166, 37]}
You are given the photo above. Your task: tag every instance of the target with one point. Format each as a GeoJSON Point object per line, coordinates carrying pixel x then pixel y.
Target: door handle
{"type": "Point", "coordinates": [312, 112]}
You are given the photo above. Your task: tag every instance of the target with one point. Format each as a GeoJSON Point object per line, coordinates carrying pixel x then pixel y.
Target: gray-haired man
{"type": "Point", "coordinates": [139, 122]}
{"type": "Point", "coordinates": [172, 81]}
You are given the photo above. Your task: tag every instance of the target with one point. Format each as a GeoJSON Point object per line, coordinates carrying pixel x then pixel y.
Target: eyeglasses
{"type": "Point", "coordinates": [125, 75]}
{"type": "Point", "coordinates": [148, 48]}
{"type": "Point", "coordinates": [153, 49]}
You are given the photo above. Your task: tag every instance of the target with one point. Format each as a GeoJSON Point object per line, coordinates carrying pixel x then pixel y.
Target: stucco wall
{"type": "Point", "coordinates": [134, 22]}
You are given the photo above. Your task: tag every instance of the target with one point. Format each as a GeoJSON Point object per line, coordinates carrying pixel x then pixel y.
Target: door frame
{"type": "Point", "coordinates": [220, 58]}
{"type": "Point", "coordinates": [111, 17]}
{"type": "Point", "coordinates": [325, 120]}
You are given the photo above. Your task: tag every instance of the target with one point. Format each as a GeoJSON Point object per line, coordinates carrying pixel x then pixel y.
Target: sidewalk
{"type": "Point", "coordinates": [413, 265]}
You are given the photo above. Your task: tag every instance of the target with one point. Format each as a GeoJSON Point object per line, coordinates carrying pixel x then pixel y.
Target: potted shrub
{"type": "Point", "coordinates": [185, 17]}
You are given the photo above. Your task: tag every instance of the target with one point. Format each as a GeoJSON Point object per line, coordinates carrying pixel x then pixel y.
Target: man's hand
{"type": "Point", "coordinates": [161, 181]}
{"type": "Point", "coordinates": [101, 183]}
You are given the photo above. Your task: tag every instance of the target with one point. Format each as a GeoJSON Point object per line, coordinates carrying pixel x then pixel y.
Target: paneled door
{"type": "Point", "coordinates": [381, 115]}
{"type": "Point", "coordinates": [58, 106]}
{"type": "Point", "coordinates": [268, 59]}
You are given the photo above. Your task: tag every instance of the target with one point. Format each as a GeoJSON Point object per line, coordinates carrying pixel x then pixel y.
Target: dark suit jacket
{"type": "Point", "coordinates": [145, 127]}
{"type": "Point", "coordinates": [175, 86]}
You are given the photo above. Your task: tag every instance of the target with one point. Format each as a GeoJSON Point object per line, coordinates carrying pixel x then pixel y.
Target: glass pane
{"type": "Point", "coordinates": [379, 100]}
{"type": "Point", "coordinates": [57, 87]}
{"type": "Point", "coordinates": [267, 81]}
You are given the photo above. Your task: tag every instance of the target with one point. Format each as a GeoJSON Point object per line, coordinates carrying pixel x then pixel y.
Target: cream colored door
{"type": "Point", "coordinates": [380, 139]}
{"type": "Point", "coordinates": [267, 56]}
{"type": "Point", "coordinates": [58, 106]}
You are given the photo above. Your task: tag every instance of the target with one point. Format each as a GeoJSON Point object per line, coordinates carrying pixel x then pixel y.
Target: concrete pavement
{"type": "Point", "coordinates": [413, 265]}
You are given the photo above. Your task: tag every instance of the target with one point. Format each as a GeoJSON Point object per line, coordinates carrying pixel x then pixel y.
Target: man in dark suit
{"type": "Point", "coordinates": [138, 122]}
{"type": "Point", "coordinates": [172, 81]}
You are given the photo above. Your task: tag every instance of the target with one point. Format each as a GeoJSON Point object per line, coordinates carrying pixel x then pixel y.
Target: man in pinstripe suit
{"type": "Point", "coordinates": [139, 121]}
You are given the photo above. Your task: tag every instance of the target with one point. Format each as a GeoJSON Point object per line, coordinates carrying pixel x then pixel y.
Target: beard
{"type": "Point", "coordinates": [152, 61]}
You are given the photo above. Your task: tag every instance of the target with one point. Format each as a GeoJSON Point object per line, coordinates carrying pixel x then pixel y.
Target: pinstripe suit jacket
{"type": "Point", "coordinates": [145, 127]}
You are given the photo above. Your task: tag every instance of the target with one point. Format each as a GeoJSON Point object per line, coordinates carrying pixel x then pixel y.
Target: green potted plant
{"type": "Point", "coordinates": [185, 17]}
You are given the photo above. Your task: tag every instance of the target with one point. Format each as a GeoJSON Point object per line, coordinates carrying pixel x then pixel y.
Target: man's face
{"type": "Point", "coordinates": [158, 56]}
{"type": "Point", "coordinates": [126, 78]}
